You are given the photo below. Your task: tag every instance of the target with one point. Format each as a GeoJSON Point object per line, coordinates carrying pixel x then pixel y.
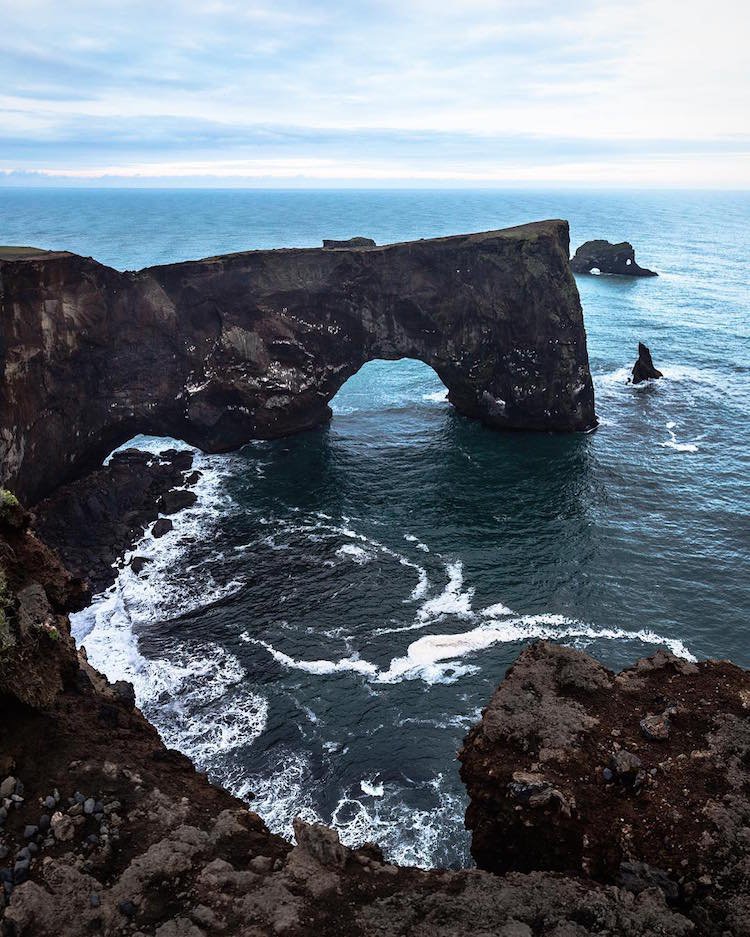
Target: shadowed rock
{"type": "Point", "coordinates": [643, 369]}
{"type": "Point", "coordinates": [603, 257]}
{"type": "Point", "coordinates": [254, 345]}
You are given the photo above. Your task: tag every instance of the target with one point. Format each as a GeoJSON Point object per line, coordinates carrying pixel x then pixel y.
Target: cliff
{"type": "Point", "coordinates": [254, 345]}
{"type": "Point", "coordinates": [638, 779]}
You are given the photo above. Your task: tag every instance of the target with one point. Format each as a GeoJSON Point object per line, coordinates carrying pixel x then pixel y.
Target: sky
{"type": "Point", "coordinates": [375, 93]}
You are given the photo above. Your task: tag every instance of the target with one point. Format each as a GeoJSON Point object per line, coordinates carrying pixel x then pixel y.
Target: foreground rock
{"type": "Point", "coordinates": [254, 345]}
{"type": "Point", "coordinates": [639, 779]}
{"type": "Point", "coordinates": [643, 369]}
{"type": "Point", "coordinates": [92, 522]}
{"type": "Point", "coordinates": [603, 257]}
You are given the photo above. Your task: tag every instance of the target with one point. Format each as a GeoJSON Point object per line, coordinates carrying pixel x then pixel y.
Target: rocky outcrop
{"type": "Point", "coordinates": [638, 779]}
{"type": "Point", "coordinates": [254, 345]}
{"type": "Point", "coordinates": [603, 257]}
{"type": "Point", "coordinates": [643, 369]}
{"type": "Point", "coordinates": [91, 523]}
{"type": "Point", "coordinates": [350, 242]}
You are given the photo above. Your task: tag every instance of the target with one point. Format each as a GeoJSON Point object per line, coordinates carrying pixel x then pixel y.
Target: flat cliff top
{"type": "Point", "coordinates": [531, 231]}
{"type": "Point", "coordinates": [30, 253]}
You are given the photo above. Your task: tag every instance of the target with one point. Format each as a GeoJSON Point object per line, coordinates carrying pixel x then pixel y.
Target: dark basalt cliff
{"type": "Point", "coordinates": [639, 779]}
{"type": "Point", "coordinates": [616, 259]}
{"type": "Point", "coordinates": [254, 345]}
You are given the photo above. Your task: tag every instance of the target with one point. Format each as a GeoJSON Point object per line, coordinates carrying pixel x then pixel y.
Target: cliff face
{"type": "Point", "coordinates": [254, 345]}
{"type": "Point", "coordinates": [638, 779]}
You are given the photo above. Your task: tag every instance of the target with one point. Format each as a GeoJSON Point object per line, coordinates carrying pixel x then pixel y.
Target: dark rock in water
{"type": "Point", "coordinates": [173, 501]}
{"type": "Point", "coordinates": [643, 369]}
{"type": "Point", "coordinates": [254, 345]}
{"type": "Point", "coordinates": [125, 692]}
{"type": "Point", "coordinates": [93, 521]}
{"type": "Point", "coordinates": [604, 257]}
{"type": "Point", "coordinates": [351, 242]}
{"type": "Point", "coordinates": [139, 563]}
{"type": "Point", "coordinates": [161, 527]}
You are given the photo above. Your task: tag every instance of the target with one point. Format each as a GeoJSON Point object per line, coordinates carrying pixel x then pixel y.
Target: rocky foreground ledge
{"type": "Point", "coordinates": [610, 805]}
{"type": "Point", "coordinates": [254, 345]}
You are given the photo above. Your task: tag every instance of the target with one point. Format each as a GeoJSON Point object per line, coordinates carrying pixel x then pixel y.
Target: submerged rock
{"type": "Point", "coordinates": [254, 345]}
{"type": "Point", "coordinates": [603, 257]}
{"type": "Point", "coordinates": [643, 369]}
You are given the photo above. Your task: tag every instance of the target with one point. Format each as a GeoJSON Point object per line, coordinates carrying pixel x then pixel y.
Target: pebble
{"type": "Point", "coordinates": [78, 798]}
{"type": "Point", "coordinates": [94, 900]}
{"type": "Point", "coordinates": [76, 810]}
{"type": "Point", "coordinates": [127, 908]}
{"type": "Point", "coordinates": [8, 786]}
{"type": "Point", "coordinates": [30, 831]}
{"type": "Point", "coordinates": [607, 774]}
{"type": "Point", "coordinates": [44, 822]}
{"type": "Point", "coordinates": [89, 806]}
{"type": "Point", "coordinates": [62, 827]}
{"type": "Point", "coordinates": [49, 802]}
{"type": "Point", "coordinates": [21, 871]}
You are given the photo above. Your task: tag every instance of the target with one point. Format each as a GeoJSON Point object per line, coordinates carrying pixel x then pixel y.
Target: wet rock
{"type": "Point", "coordinates": [161, 527]}
{"type": "Point", "coordinates": [643, 369]}
{"type": "Point", "coordinates": [602, 257]}
{"type": "Point", "coordinates": [173, 501]}
{"type": "Point", "coordinates": [139, 563]}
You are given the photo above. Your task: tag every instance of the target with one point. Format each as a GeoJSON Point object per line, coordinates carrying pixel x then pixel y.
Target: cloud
{"type": "Point", "coordinates": [482, 90]}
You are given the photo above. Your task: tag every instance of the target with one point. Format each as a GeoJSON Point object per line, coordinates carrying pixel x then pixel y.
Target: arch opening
{"type": "Point", "coordinates": [404, 384]}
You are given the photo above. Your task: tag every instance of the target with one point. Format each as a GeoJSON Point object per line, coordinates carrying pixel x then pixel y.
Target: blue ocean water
{"type": "Point", "coordinates": [325, 625]}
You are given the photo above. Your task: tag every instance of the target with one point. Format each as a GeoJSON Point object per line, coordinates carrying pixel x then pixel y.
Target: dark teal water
{"type": "Point", "coordinates": [327, 622]}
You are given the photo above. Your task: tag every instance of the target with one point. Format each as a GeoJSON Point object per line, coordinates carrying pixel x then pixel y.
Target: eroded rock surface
{"type": "Point", "coordinates": [638, 779]}
{"type": "Point", "coordinates": [254, 345]}
{"type": "Point", "coordinates": [603, 257]}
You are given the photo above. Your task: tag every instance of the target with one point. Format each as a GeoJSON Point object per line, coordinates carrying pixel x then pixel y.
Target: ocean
{"type": "Point", "coordinates": [322, 628]}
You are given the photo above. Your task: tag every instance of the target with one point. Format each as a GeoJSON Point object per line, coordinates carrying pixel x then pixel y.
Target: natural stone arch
{"type": "Point", "coordinates": [254, 345]}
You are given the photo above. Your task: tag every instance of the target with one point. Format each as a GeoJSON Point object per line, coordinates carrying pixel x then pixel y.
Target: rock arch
{"type": "Point", "coordinates": [254, 345]}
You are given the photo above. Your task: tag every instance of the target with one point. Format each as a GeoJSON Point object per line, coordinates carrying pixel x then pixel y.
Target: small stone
{"type": "Point", "coordinates": [49, 802]}
{"type": "Point", "coordinates": [16, 800]}
{"type": "Point", "coordinates": [94, 900]}
{"type": "Point", "coordinates": [78, 798]}
{"type": "Point", "coordinates": [32, 849]}
{"type": "Point", "coordinates": [44, 822]}
{"type": "Point", "coordinates": [608, 775]}
{"type": "Point", "coordinates": [30, 831]}
{"type": "Point", "coordinates": [655, 728]}
{"type": "Point", "coordinates": [62, 827]}
{"type": "Point", "coordinates": [23, 853]}
{"type": "Point", "coordinates": [92, 839]}
{"type": "Point", "coordinates": [626, 766]}
{"type": "Point", "coordinates": [20, 789]}
{"type": "Point", "coordinates": [21, 871]}
{"type": "Point", "coordinates": [127, 908]}
{"type": "Point", "coordinates": [76, 810]}
{"type": "Point", "coordinates": [88, 806]}
{"type": "Point", "coordinates": [8, 786]}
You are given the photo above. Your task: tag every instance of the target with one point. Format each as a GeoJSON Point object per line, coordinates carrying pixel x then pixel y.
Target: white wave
{"type": "Point", "coordinates": [358, 554]}
{"type": "Point", "coordinates": [453, 600]}
{"type": "Point", "coordinates": [437, 396]}
{"type": "Point", "coordinates": [409, 835]}
{"type": "Point", "coordinates": [672, 442]}
{"type": "Point", "coordinates": [196, 698]}
{"type": "Point", "coordinates": [498, 610]}
{"type": "Point", "coordinates": [419, 545]}
{"type": "Point", "coordinates": [322, 667]}
{"type": "Point", "coordinates": [371, 788]}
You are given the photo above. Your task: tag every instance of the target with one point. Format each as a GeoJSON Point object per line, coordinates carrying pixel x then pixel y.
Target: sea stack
{"type": "Point", "coordinates": [643, 369]}
{"type": "Point", "coordinates": [603, 257]}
